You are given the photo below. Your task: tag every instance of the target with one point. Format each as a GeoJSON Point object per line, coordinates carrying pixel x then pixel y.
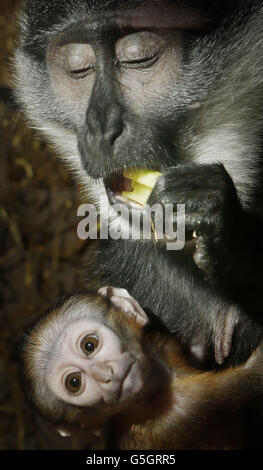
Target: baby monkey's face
{"type": "Point", "coordinates": [95, 367]}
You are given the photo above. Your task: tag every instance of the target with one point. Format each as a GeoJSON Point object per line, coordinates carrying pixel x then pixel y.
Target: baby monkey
{"type": "Point", "coordinates": [95, 362]}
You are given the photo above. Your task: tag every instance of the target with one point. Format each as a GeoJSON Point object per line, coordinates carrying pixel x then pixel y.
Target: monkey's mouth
{"type": "Point", "coordinates": [118, 187]}
{"type": "Point", "coordinates": [128, 385]}
{"type": "Point", "coordinates": [131, 382]}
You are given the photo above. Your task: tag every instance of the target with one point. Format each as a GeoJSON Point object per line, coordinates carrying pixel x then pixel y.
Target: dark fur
{"type": "Point", "coordinates": [211, 158]}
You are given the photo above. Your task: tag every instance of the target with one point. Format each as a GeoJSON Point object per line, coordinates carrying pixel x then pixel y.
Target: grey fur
{"type": "Point", "coordinates": [222, 81]}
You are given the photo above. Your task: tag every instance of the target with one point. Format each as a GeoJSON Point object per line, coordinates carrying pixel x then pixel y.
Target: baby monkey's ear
{"type": "Point", "coordinates": [121, 299]}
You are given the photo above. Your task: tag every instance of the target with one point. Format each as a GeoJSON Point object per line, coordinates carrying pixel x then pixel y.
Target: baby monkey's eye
{"type": "Point", "coordinates": [89, 344]}
{"type": "Point", "coordinates": [73, 382]}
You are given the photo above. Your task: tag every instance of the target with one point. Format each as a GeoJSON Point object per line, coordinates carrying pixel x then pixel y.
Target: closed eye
{"type": "Point", "coordinates": [81, 73]}
{"type": "Point", "coordinates": [143, 62]}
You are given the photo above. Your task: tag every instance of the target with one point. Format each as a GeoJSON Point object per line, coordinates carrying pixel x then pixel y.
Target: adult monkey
{"type": "Point", "coordinates": [174, 87]}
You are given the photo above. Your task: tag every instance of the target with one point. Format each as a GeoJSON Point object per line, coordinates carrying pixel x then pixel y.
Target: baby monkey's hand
{"type": "Point", "coordinates": [121, 299]}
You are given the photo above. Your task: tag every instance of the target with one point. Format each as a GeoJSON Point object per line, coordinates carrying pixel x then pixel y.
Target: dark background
{"type": "Point", "coordinates": [40, 253]}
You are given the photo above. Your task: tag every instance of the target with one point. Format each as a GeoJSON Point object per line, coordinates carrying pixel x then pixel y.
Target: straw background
{"type": "Point", "coordinates": [40, 253]}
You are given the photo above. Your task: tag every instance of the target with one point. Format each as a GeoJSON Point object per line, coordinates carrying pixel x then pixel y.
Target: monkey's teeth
{"type": "Point", "coordinates": [123, 199]}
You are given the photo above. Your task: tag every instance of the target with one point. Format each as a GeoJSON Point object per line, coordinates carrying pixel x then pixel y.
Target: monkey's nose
{"type": "Point", "coordinates": [104, 126]}
{"type": "Point", "coordinates": [102, 371]}
{"type": "Point", "coordinates": [113, 133]}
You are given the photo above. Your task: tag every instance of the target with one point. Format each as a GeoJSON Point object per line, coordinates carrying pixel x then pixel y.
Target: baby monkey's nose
{"type": "Point", "coordinates": [102, 371]}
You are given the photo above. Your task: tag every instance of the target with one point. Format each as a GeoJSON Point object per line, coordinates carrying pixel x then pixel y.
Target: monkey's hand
{"type": "Point", "coordinates": [121, 299]}
{"type": "Point", "coordinates": [228, 245]}
{"type": "Point", "coordinates": [223, 331]}
{"type": "Point", "coordinates": [223, 334]}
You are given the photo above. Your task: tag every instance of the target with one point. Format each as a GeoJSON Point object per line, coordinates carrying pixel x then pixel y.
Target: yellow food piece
{"type": "Point", "coordinates": [140, 193]}
{"type": "Point", "coordinates": [144, 177]}
{"type": "Point", "coordinates": [143, 182]}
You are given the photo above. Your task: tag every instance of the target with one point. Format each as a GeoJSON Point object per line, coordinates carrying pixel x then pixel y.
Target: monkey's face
{"type": "Point", "coordinates": [95, 367]}
{"type": "Point", "coordinates": [111, 85]}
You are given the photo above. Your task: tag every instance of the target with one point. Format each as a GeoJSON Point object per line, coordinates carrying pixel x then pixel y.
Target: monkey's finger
{"type": "Point", "coordinates": [223, 340]}
{"type": "Point", "coordinates": [123, 300]}
{"type": "Point", "coordinates": [109, 292]}
{"type": "Point", "coordinates": [219, 356]}
{"type": "Point", "coordinates": [231, 321]}
{"type": "Point", "coordinates": [132, 308]}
